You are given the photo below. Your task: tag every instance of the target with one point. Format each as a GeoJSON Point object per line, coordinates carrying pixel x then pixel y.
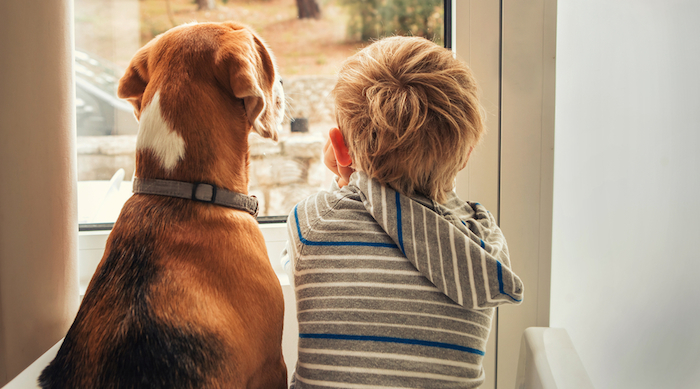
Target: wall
{"type": "Point", "coordinates": [38, 213]}
{"type": "Point", "coordinates": [625, 260]}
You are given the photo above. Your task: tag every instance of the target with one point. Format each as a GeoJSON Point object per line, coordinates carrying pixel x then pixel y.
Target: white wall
{"type": "Point", "coordinates": [625, 255]}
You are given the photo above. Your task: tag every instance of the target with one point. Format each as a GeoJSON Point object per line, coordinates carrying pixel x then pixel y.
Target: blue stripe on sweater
{"type": "Point", "coordinates": [393, 340]}
{"type": "Point", "coordinates": [500, 282]}
{"type": "Point", "coordinates": [398, 221]}
{"type": "Point", "coordinates": [327, 243]}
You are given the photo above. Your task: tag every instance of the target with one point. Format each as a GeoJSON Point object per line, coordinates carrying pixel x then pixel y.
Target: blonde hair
{"type": "Point", "coordinates": [409, 113]}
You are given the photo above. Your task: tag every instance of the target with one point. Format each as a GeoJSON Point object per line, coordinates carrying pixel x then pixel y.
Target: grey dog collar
{"type": "Point", "coordinates": [197, 191]}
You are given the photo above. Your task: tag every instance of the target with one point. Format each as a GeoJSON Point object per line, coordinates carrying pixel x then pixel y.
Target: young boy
{"type": "Point", "coordinates": [395, 276]}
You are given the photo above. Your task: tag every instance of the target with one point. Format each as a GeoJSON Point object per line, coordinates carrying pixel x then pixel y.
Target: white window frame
{"type": "Point", "coordinates": [510, 46]}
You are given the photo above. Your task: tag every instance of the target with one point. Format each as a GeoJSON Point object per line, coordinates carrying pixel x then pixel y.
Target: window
{"type": "Point", "coordinates": [309, 51]}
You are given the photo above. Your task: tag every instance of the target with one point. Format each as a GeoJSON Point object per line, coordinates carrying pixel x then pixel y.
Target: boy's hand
{"type": "Point", "coordinates": [333, 148]}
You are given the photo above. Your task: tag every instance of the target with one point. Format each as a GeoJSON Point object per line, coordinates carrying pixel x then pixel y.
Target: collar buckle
{"type": "Point", "coordinates": [203, 192]}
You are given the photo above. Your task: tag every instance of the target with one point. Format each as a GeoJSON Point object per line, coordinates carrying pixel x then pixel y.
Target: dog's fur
{"type": "Point", "coordinates": [185, 296]}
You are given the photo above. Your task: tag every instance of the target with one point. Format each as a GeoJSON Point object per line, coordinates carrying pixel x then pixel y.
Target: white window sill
{"type": "Point", "coordinates": [91, 246]}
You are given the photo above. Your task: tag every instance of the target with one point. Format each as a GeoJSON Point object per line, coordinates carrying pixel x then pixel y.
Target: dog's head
{"type": "Point", "coordinates": [202, 78]}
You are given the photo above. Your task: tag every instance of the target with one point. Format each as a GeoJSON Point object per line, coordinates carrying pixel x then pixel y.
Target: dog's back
{"type": "Point", "coordinates": [184, 296]}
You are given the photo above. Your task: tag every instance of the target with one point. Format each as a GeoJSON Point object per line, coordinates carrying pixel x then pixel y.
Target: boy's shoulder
{"type": "Point", "coordinates": [330, 219]}
{"type": "Point", "coordinates": [334, 210]}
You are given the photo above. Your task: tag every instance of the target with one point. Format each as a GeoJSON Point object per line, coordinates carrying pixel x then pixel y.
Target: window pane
{"type": "Point", "coordinates": [308, 50]}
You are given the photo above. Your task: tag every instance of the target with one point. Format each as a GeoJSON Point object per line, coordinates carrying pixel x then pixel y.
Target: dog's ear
{"type": "Point", "coordinates": [251, 73]}
{"type": "Point", "coordinates": [133, 82]}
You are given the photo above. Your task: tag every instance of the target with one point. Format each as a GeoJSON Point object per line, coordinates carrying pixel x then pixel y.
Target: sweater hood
{"type": "Point", "coordinates": [456, 245]}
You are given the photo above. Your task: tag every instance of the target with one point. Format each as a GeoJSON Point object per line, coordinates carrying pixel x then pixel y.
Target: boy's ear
{"type": "Point", "coordinates": [342, 155]}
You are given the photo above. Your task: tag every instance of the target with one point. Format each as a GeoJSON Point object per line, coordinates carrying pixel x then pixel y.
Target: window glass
{"type": "Point", "coordinates": [310, 39]}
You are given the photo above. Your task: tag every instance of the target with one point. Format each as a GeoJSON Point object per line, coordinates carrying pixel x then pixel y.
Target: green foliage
{"type": "Point", "coordinates": [371, 19]}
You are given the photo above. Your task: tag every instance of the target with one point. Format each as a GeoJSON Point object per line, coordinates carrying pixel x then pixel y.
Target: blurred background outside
{"type": "Point", "coordinates": [309, 38]}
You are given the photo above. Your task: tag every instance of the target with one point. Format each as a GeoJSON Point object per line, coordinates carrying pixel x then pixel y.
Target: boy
{"type": "Point", "coordinates": [395, 276]}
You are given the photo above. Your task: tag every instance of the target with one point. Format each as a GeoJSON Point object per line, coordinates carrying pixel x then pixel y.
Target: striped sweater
{"type": "Point", "coordinates": [392, 291]}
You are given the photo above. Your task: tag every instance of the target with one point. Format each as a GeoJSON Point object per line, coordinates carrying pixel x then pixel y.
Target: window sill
{"type": "Point", "coordinates": [92, 239]}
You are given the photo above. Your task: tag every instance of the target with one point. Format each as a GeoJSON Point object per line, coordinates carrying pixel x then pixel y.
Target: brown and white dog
{"type": "Point", "coordinates": [185, 296]}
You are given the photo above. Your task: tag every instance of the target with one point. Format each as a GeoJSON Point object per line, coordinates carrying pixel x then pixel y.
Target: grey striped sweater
{"type": "Point", "coordinates": [392, 291]}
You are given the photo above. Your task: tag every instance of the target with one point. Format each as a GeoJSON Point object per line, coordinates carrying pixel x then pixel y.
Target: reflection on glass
{"type": "Point", "coordinates": [309, 38]}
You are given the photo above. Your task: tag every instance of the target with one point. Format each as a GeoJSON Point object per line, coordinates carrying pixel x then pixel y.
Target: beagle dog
{"type": "Point", "coordinates": [185, 295]}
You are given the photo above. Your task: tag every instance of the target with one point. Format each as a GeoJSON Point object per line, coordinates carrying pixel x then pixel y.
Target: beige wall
{"type": "Point", "coordinates": [38, 221]}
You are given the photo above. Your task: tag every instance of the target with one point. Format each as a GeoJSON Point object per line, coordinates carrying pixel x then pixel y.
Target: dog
{"type": "Point", "coordinates": [185, 295]}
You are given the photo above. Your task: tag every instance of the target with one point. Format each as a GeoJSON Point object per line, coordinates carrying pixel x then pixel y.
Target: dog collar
{"type": "Point", "coordinates": [198, 191]}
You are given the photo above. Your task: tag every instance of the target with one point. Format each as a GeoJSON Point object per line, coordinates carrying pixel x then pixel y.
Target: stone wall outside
{"type": "Point", "coordinates": [309, 97]}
